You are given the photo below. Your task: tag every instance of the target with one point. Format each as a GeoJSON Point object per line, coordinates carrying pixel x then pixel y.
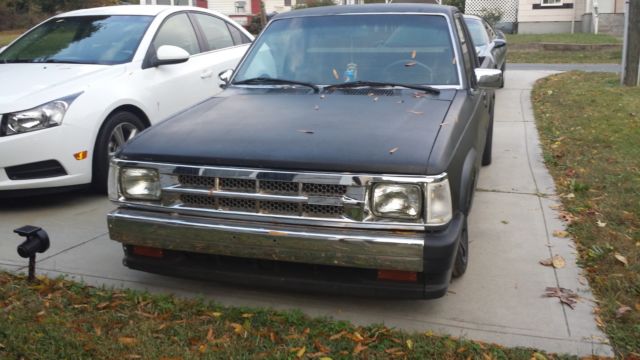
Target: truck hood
{"type": "Point", "coordinates": [25, 86]}
{"type": "Point", "coordinates": [292, 131]}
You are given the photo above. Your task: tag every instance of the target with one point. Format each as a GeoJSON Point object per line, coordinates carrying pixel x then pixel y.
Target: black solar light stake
{"type": "Point", "coordinates": [37, 242]}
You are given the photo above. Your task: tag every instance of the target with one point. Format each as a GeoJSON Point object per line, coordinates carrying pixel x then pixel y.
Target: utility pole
{"type": "Point", "coordinates": [631, 52]}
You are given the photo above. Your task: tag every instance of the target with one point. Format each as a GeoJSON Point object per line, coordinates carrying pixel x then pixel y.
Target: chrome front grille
{"type": "Point", "coordinates": [272, 197]}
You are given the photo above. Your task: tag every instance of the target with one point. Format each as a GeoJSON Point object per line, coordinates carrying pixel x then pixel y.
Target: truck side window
{"type": "Point", "coordinates": [469, 63]}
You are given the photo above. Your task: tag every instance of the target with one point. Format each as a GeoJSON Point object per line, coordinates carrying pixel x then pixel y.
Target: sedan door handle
{"type": "Point", "coordinates": [206, 74]}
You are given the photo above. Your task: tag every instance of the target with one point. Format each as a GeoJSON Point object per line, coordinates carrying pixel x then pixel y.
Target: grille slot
{"type": "Point", "coordinates": [255, 198]}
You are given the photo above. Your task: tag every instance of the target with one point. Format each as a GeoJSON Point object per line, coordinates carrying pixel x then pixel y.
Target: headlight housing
{"type": "Point", "coordinates": [439, 209]}
{"type": "Point", "coordinates": [41, 117]}
{"type": "Point", "coordinates": [140, 183]}
{"type": "Point", "coordinates": [399, 201]}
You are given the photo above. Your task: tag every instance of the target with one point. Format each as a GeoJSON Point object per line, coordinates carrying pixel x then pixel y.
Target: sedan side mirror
{"type": "Point", "coordinates": [169, 54]}
{"type": "Point", "coordinates": [225, 76]}
{"type": "Point", "coordinates": [498, 43]}
{"type": "Point", "coordinates": [488, 78]}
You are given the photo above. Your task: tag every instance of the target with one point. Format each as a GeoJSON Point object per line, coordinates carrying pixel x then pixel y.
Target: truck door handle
{"type": "Point", "coordinates": [206, 74]}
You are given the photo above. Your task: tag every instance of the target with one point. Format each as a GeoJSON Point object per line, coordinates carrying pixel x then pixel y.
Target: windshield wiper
{"type": "Point", "coordinates": [353, 84]}
{"type": "Point", "coordinates": [268, 80]}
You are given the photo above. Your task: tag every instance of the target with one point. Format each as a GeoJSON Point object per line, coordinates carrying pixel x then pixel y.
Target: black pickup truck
{"type": "Point", "coordinates": [341, 157]}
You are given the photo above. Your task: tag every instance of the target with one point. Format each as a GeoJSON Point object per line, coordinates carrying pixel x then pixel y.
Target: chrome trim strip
{"type": "Point", "coordinates": [336, 247]}
{"type": "Point", "coordinates": [237, 195]}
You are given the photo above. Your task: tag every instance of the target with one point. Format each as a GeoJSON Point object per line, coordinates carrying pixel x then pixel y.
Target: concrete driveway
{"type": "Point", "coordinates": [498, 300]}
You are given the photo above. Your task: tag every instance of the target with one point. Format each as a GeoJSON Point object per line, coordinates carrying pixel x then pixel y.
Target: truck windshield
{"type": "Point", "coordinates": [328, 50]}
{"type": "Point", "coordinates": [80, 40]}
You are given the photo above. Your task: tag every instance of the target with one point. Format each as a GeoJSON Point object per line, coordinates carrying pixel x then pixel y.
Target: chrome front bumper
{"type": "Point", "coordinates": [370, 249]}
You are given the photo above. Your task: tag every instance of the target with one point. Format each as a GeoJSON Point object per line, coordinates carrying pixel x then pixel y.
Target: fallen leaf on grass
{"type": "Point", "coordinates": [538, 356]}
{"type": "Point", "coordinates": [125, 340]}
{"type": "Point", "coordinates": [358, 349]}
{"type": "Point", "coordinates": [215, 314]}
{"type": "Point", "coordinates": [357, 336]}
{"type": "Point", "coordinates": [202, 348]}
{"type": "Point", "coordinates": [566, 296]}
{"type": "Point", "coordinates": [622, 310]}
{"type": "Point", "coordinates": [338, 335]}
{"type": "Point", "coordinates": [601, 224]}
{"type": "Point", "coordinates": [560, 234]}
{"type": "Point", "coordinates": [325, 358]}
{"type": "Point", "coordinates": [237, 328]}
{"type": "Point", "coordinates": [621, 258]}
{"type": "Point", "coordinates": [133, 356]}
{"type": "Point", "coordinates": [409, 344]}
{"type": "Point", "coordinates": [393, 150]}
{"type": "Point", "coordinates": [637, 307]}
{"type": "Point", "coordinates": [556, 261]}
{"type": "Point", "coordinates": [318, 345]}
{"type": "Point", "coordinates": [301, 352]}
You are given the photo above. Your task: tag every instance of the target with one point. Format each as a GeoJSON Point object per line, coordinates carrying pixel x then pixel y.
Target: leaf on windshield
{"type": "Point", "coordinates": [335, 74]}
{"type": "Point", "coordinates": [416, 112]}
{"type": "Point", "coordinates": [393, 150]}
{"type": "Point", "coordinates": [306, 131]}
{"type": "Point", "coordinates": [410, 63]}
{"type": "Point", "coordinates": [316, 108]}
{"type": "Point", "coordinates": [413, 54]}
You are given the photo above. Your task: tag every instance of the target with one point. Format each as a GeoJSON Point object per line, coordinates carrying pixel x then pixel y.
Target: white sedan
{"type": "Point", "coordinates": [79, 85]}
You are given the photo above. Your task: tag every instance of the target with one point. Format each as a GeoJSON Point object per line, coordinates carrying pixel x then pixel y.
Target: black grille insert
{"type": "Point", "coordinates": [36, 170]}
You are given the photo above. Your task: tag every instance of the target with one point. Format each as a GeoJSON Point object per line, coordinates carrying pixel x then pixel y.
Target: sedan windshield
{"type": "Point", "coordinates": [80, 40]}
{"type": "Point", "coordinates": [329, 50]}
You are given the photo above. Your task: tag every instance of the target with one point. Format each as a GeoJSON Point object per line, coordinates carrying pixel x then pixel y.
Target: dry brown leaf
{"type": "Point", "coordinates": [277, 233]}
{"type": "Point", "coordinates": [461, 350]}
{"type": "Point", "coordinates": [325, 358]}
{"type": "Point", "coordinates": [409, 344]}
{"type": "Point", "coordinates": [97, 329]}
{"type": "Point", "coordinates": [358, 349]}
{"type": "Point", "coordinates": [335, 74]}
{"type": "Point", "coordinates": [391, 151]}
{"type": "Point", "coordinates": [210, 334]}
{"type": "Point", "coordinates": [621, 258]}
{"type": "Point", "coordinates": [321, 347]}
{"type": "Point", "coordinates": [413, 54]}
{"type": "Point", "coordinates": [202, 348]}
{"type": "Point", "coordinates": [338, 335]}
{"type": "Point", "coordinates": [301, 352]}
{"type": "Point", "coordinates": [582, 280]}
{"type": "Point", "coordinates": [237, 328]}
{"type": "Point", "coordinates": [558, 262]}
{"type": "Point", "coordinates": [538, 356]}
{"type": "Point", "coordinates": [357, 336]}
{"type": "Point", "coordinates": [622, 310]}
{"type": "Point", "coordinates": [102, 305]}
{"type": "Point", "coordinates": [637, 307]}
{"type": "Point", "coordinates": [133, 356]}
{"type": "Point", "coordinates": [247, 315]}
{"type": "Point", "coordinates": [566, 296]}
{"type": "Point", "coordinates": [214, 314]}
{"type": "Point", "coordinates": [126, 340]}
{"type": "Point", "coordinates": [560, 234]}
{"type": "Point", "coordinates": [601, 224]}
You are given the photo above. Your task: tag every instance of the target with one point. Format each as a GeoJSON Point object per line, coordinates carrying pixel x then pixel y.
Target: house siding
{"type": "Point", "coordinates": [526, 13]}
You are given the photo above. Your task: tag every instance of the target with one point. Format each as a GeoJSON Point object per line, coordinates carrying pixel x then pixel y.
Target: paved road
{"type": "Point", "coordinates": [616, 68]}
{"type": "Point", "coordinates": [498, 300]}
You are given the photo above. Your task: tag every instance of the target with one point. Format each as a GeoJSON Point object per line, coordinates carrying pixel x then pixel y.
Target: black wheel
{"type": "Point", "coordinates": [503, 68]}
{"type": "Point", "coordinates": [486, 153]}
{"type": "Point", "coordinates": [119, 128]}
{"type": "Point", "coordinates": [462, 256]}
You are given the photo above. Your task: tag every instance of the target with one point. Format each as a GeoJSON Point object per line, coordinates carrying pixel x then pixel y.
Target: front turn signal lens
{"type": "Point", "coordinates": [81, 155]}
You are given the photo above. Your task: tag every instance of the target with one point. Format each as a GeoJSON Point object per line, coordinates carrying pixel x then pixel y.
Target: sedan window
{"type": "Point", "coordinates": [81, 40]}
{"type": "Point", "coordinates": [478, 32]}
{"type": "Point", "coordinates": [178, 31]}
{"type": "Point", "coordinates": [215, 31]}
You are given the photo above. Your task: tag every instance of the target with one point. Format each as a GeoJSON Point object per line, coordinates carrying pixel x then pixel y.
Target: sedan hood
{"type": "Point", "coordinates": [292, 131]}
{"type": "Point", "coordinates": [25, 86]}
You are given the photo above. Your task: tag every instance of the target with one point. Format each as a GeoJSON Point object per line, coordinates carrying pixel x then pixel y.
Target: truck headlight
{"type": "Point", "coordinates": [439, 210]}
{"type": "Point", "coordinates": [401, 201]}
{"type": "Point", "coordinates": [41, 117]}
{"type": "Point", "coordinates": [140, 183]}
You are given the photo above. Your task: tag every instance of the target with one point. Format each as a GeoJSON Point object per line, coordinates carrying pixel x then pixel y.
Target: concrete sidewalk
{"type": "Point", "coordinates": [498, 300]}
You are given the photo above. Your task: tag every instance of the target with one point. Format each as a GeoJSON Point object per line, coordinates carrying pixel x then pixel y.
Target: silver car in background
{"type": "Point", "coordinates": [490, 44]}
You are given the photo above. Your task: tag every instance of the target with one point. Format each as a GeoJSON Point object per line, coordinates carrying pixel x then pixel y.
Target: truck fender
{"type": "Point", "coordinates": [468, 179]}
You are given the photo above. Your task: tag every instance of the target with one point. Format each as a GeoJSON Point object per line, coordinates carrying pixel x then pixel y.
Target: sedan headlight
{"type": "Point", "coordinates": [439, 210]}
{"type": "Point", "coordinates": [41, 117]}
{"type": "Point", "coordinates": [401, 201]}
{"type": "Point", "coordinates": [140, 183]}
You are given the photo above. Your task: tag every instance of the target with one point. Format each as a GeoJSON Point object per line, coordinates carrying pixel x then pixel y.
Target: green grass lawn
{"type": "Point", "coordinates": [8, 36]}
{"type": "Point", "coordinates": [564, 57]}
{"type": "Point", "coordinates": [577, 38]}
{"type": "Point", "coordinates": [59, 319]}
{"type": "Point", "coordinates": [590, 130]}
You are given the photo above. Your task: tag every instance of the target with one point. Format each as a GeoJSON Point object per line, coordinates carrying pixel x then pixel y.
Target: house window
{"type": "Point", "coordinates": [550, 2]}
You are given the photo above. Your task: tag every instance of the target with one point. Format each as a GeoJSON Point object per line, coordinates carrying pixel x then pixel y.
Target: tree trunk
{"type": "Point", "coordinates": [632, 60]}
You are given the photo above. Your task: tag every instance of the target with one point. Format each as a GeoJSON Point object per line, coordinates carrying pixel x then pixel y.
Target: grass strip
{"type": "Point", "coordinates": [564, 57]}
{"type": "Point", "coordinates": [564, 38]}
{"type": "Point", "coordinates": [61, 319]}
{"type": "Point", "coordinates": [590, 131]}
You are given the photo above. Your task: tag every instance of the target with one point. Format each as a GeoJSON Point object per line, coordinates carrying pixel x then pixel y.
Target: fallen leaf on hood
{"type": "Point", "coordinates": [622, 310]}
{"type": "Point", "coordinates": [335, 74]}
{"type": "Point", "coordinates": [306, 131]}
{"type": "Point", "coordinates": [416, 112]}
{"type": "Point", "coordinates": [560, 234]}
{"type": "Point", "coordinates": [410, 63]}
{"type": "Point", "coordinates": [566, 296]}
{"type": "Point", "coordinates": [622, 259]}
{"type": "Point", "coordinates": [316, 108]}
{"type": "Point", "coordinates": [413, 54]}
{"type": "Point", "coordinates": [601, 224]}
{"type": "Point", "coordinates": [393, 150]}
